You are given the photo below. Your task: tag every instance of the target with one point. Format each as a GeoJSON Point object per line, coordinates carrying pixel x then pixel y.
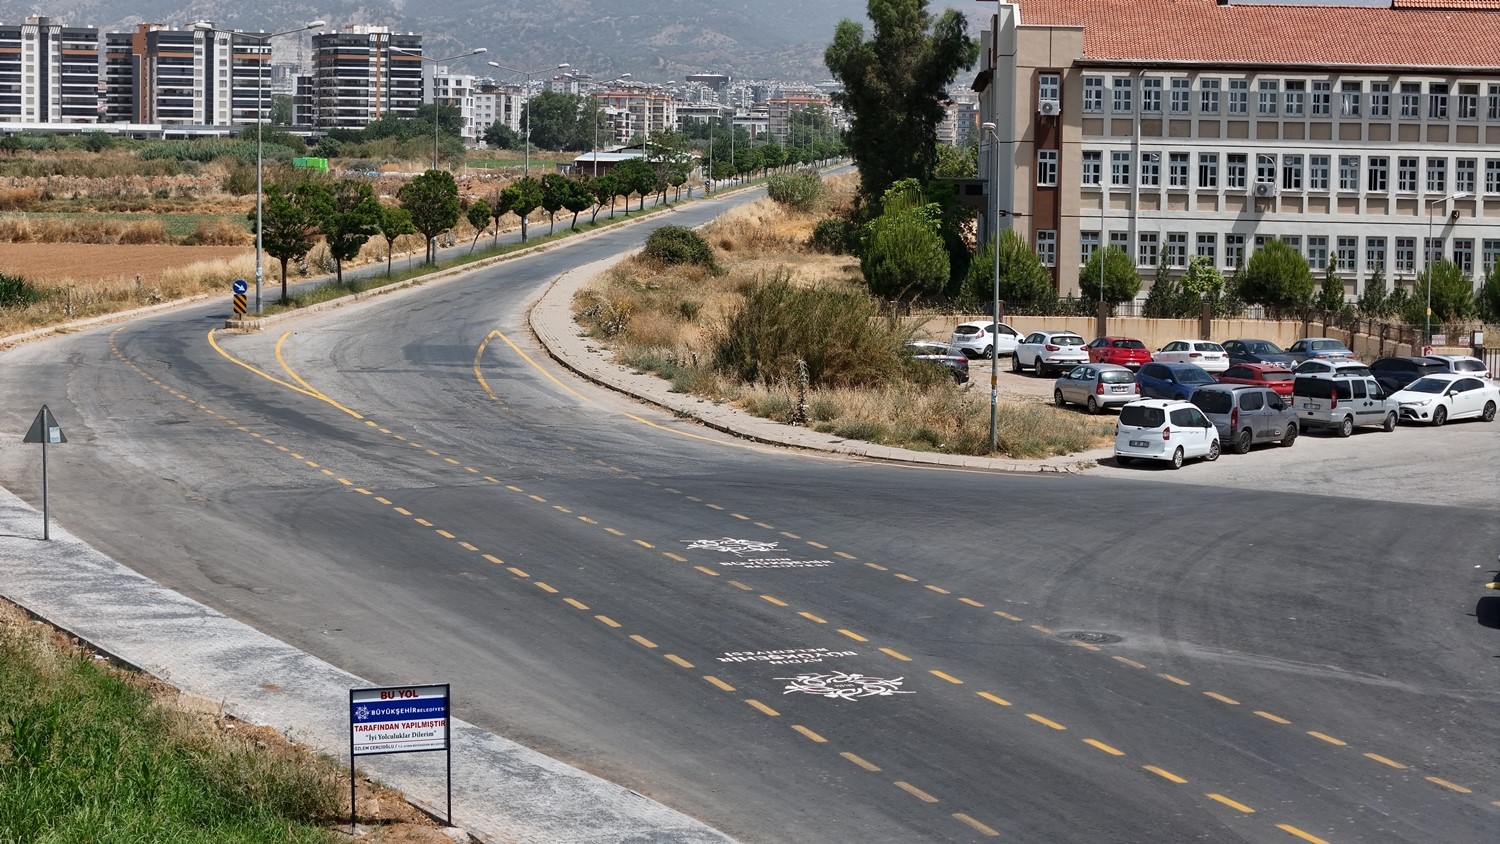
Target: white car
{"type": "Point", "coordinates": [977, 338]}
{"type": "Point", "coordinates": [1315, 366]}
{"type": "Point", "coordinates": [1462, 364]}
{"type": "Point", "coordinates": [1434, 399]}
{"type": "Point", "coordinates": [1049, 351]}
{"type": "Point", "coordinates": [1159, 429]}
{"type": "Point", "coordinates": [1208, 356]}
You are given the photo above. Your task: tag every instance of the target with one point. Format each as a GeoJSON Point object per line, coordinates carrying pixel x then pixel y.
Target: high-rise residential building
{"type": "Point", "coordinates": [193, 76]}
{"type": "Point", "coordinates": [637, 110]}
{"type": "Point", "coordinates": [49, 73]}
{"type": "Point", "coordinates": [360, 75]}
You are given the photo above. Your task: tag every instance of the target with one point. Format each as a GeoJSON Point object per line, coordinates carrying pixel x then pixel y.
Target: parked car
{"type": "Point", "coordinates": [1394, 373]}
{"type": "Point", "coordinates": [1246, 415]}
{"type": "Point", "coordinates": [1256, 351]}
{"type": "Point", "coordinates": [1464, 364]}
{"type": "Point", "coordinates": [1320, 348]}
{"type": "Point", "coordinates": [1272, 376]}
{"type": "Point", "coordinates": [1156, 429]}
{"type": "Point", "coordinates": [1434, 399]}
{"type": "Point", "coordinates": [1124, 351]}
{"type": "Point", "coordinates": [940, 354]}
{"type": "Point", "coordinates": [1341, 402]}
{"type": "Point", "coordinates": [1096, 386]}
{"type": "Point", "coordinates": [1210, 356]}
{"type": "Point", "coordinates": [1046, 351]}
{"type": "Point", "coordinates": [1174, 381]}
{"type": "Point", "coordinates": [1331, 367]}
{"type": "Point", "coordinates": [975, 339]}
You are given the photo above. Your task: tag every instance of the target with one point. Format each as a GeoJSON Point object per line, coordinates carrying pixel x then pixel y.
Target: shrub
{"type": "Point", "coordinates": [834, 236]}
{"type": "Point", "coordinates": [240, 181]}
{"type": "Point", "coordinates": [800, 190]}
{"type": "Point", "coordinates": [15, 290]}
{"type": "Point", "coordinates": [678, 245]}
{"type": "Point", "coordinates": [217, 232]}
{"type": "Point", "coordinates": [903, 257]}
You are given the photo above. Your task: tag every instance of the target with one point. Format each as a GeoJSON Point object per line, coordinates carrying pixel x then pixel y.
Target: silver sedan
{"type": "Point", "coordinates": [1096, 386]}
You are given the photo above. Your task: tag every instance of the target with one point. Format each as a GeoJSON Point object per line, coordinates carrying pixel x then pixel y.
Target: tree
{"type": "Point", "coordinates": [602, 189]}
{"type": "Point", "coordinates": [348, 215]}
{"type": "Point", "coordinates": [956, 162]}
{"type": "Point", "coordinates": [578, 199]}
{"type": "Point", "coordinates": [1122, 282]}
{"type": "Point", "coordinates": [772, 155]}
{"type": "Point", "coordinates": [1331, 291]}
{"type": "Point", "coordinates": [1277, 277]}
{"type": "Point", "coordinates": [498, 210]}
{"type": "Point", "coordinates": [1164, 300]}
{"type": "Point", "coordinates": [894, 85]}
{"type": "Point", "coordinates": [394, 222]}
{"type": "Point", "coordinates": [555, 188]}
{"type": "Point", "coordinates": [1372, 300]}
{"type": "Point", "coordinates": [432, 201]}
{"type": "Point", "coordinates": [636, 176]}
{"type": "Point", "coordinates": [903, 255]}
{"type": "Point", "coordinates": [500, 136]}
{"type": "Point", "coordinates": [1489, 296]}
{"type": "Point", "coordinates": [1023, 279]}
{"type": "Point", "coordinates": [478, 216]}
{"type": "Point", "coordinates": [281, 109]}
{"type": "Point", "coordinates": [522, 197]}
{"type": "Point", "coordinates": [287, 229]}
{"type": "Point", "coordinates": [559, 121]}
{"type": "Point", "coordinates": [1452, 295]}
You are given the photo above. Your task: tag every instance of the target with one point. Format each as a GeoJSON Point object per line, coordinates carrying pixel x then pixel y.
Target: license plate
{"type": "Point", "coordinates": [1309, 406]}
{"type": "Point", "coordinates": [1139, 444]}
{"type": "Point", "coordinates": [1117, 389]}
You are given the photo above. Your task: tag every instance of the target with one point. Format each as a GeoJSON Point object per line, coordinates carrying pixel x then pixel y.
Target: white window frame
{"type": "Point", "coordinates": [1322, 98]}
{"type": "Point", "coordinates": [1092, 169]}
{"type": "Point", "coordinates": [1046, 168]}
{"type": "Point", "coordinates": [1182, 95]}
{"type": "Point", "coordinates": [1295, 97]}
{"type": "Point", "coordinates": [1351, 96]}
{"type": "Point", "coordinates": [1374, 253]}
{"type": "Point", "coordinates": [1268, 92]}
{"type": "Point", "coordinates": [1093, 94]}
{"type": "Point", "coordinates": [1151, 87]}
{"type": "Point", "coordinates": [1239, 97]}
{"type": "Point", "coordinates": [1349, 173]}
{"type": "Point", "coordinates": [1119, 168]}
{"type": "Point", "coordinates": [1179, 168]}
{"type": "Point", "coordinates": [1317, 172]}
{"type": "Point", "coordinates": [1208, 169]}
{"type": "Point", "coordinates": [1208, 96]}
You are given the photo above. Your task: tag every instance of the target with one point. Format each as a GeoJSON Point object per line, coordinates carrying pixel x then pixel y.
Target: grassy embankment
{"type": "Point", "coordinates": [734, 335]}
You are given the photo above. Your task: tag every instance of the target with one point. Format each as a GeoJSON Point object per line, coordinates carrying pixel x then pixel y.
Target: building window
{"type": "Point", "coordinates": [1046, 247]}
{"type": "Point", "coordinates": [1266, 103]}
{"type": "Point", "coordinates": [1374, 254]}
{"type": "Point", "coordinates": [1208, 247]}
{"type": "Point", "coordinates": [1411, 99]}
{"type": "Point", "coordinates": [1181, 95]}
{"type": "Point", "coordinates": [1437, 175]}
{"type": "Point", "coordinates": [1150, 169]}
{"type": "Point", "coordinates": [1046, 168]}
{"type": "Point", "coordinates": [1437, 100]}
{"type": "Point", "coordinates": [1468, 102]}
{"type": "Point", "coordinates": [1292, 240]}
{"type": "Point", "coordinates": [1296, 97]}
{"type": "Point", "coordinates": [1406, 254]}
{"type": "Point", "coordinates": [1093, 94]}
{"type": "Point", "coordinates": [1463, 254]}
{"type": "Point", "coordinates": [1348, 254]}
{"type": "Point", "coordinates": [1494, 97]}
{"type": "Point", "coordinates": [1234, 249]}
{"type": "Point", "coordinates": [1379, 171]}
{"type": "Point", "coordinates": [1406, 173]}
{"type": "Point", "coordinates": [1291, 172]}
{"type": "Point", "coordinates": [1120, 241]}
{"type": "Point", "coordinates": [1048, 86]}
{"type": "Point", "coordinates": [1151, 94]}
{"type": "Point", "coordinates": [1177, 170]}
{"type": "Point", "coordinates": [1491, 255]}
{"type": "Point", "coordinates": [1208, 96]}
{"type": "Point", "coordinates": [1236, 166]}
{"type": "Point", "coordinates": [1349, 172]}
{"type": "Point", "coordinates": [1119, 168]}
{"type": "Point", "coordinates": [1176, 249]}
{"type": "Point", "coordinates": [1317, 252]}
{"type": "Point", "coordinates": [1124, 94]}
{"type": "Point", "coordinates": [1350, 94]}
{"type": "Point", "coordinates": [1464, 170]}
{"type": "Point", "coordinates": [1239, 96]}
{"type": "Point", "coordinates": [1208, 169]}
{"type": "Point", "coordinates": [1380, 99]}
{"type": "Point", "coordinates": [1093, 166]}
{"type": "Point", "coordinates": [1317, 172]}
{"type": "Point", "coordinates": [1433, 249]}
{"type": "Point", "coordinates": [1147, 255]}
{"type": "Point", "coordinates": [1492, 175]}
{"type": "Point", "coordinates": [1322, 99]}
{"type": "Point", "coordinates": [1265, 168]}
{"type": "Point", "coordinates": [1088, 244]}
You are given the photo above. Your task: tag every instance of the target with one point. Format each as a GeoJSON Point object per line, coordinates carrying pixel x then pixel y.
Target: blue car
{"type": "Point", "coordinates": [1172, 381]}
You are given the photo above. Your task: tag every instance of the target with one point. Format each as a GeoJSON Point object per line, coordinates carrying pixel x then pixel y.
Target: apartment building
{"type": "Point", "coordinates": [1365, 136]}
{"type": "Point", "coordinates": [461, 91]}
{"type": "Point", "coordinates": [49, 73]}
{"type": "Point", "coordinates": [779, 111]}
{"type": "Point", "coordinates": [358, 76]}
{"type": "Point", "coordinates": [193, 76]}
{"type": "Point", "coordinates": [637, 111]}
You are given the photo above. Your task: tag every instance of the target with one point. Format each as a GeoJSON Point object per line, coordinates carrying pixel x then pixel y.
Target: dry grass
{"type": "Point", "coordinates": [220, 232]}
{"type": "Point", "coordinates": [18, 229]}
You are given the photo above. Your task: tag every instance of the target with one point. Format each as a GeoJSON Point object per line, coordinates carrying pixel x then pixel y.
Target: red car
{"type": "Point", "coordinates": [1272, 376]}
{"type": "Point", "coordinates": [1123, 351]}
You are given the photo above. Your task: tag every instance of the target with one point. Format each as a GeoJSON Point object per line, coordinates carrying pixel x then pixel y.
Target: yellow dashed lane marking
{"type": "Point", "coordinates": [537, 498]}
{"type": "Point", "coordinates": [971, 602]}
{"type": "Point", "coordinates": [561, 509]}
{"type": "Point", "coordinates": [545, 588]}
{"type": "Point", "coordinates": [949, 677]}
{"type": "Point", "coordinates": [385, 501]}
{"type": "Point", "coordinates": [614, 531]}
{"type": "Point", "coordinates": [574, 602]}
{"type": "Point", "coordinates": [1046, 722]}
{"type": "Point", "coordinates": [896, 654]}
{"type": "Point", "coordinates": [678, 661]}
{"type": "Point", "coordinates": [851, 634]}
{"type": "Point", "coordinates": [468, 547]}
{"type": "Point", "coordinates": [1085, 645]}
{"type": "Point", "coordinates": [717, 683]}
{"type": "Point", "coordinates": [643, 543]}
{"type": "Point", "coordinates": [678, 557]}
{"type": "Point", "coordinates": [938, 589]}
{"type": "Point", "coordinates": [809, 733]}
{"type": "Point", "coordinates": [741, 518]}
{"type": "Point", "coordinates": [1233, 804]}
{"type": "Point", "coordinates": [1104, 747]}
{"type": "Point", "coordinates": [642, 641]}
{"type": "Point", "coordinates": [451, 460]}
{"type": "Point", "coordinates": [813, 618]}
{"type": "Point", "coordinates": [586, 520]}
{"type": "Point", "coordinates": [763, 709]}
{"type": "Point", "coordinates": [1384, 761]}
{"type": "Point", "coordinates": [976, 825]}
{"type": "Point", "coordinates": [517, 572]}
{"type": "Point", "coordinates": [1269, 717]}
{"type": "Point", "coordinates": [423, 522]}
{"type": "Point", "coordinates": [915, 792]}
{"type": "Point", "coordinates": [817, 545]}
{"type": "Point", "coordinates": [445, 534]}
{"type": "Point", "coordinates": [1040, 629]}
{"type": "Point", "coordinates": [496, 560]}
{"type": "Point", "coordinates": [1164, 774]}
{"type": "Point", "coordinates": [994, 698]}
{"type": "Point", "coordinates": [1325, 737]}
{"type": "Point", "coordinates": [715, 507]}
{"type": "Point", "coordinates": [877, 567]}
{"type": "Point", "coordinates": [868, 766]}
{"type": "Point", "coordinates": [607, 621]}
{"type": "Point", "coordinates": [1222, 699]}
{"type": "Point", "coordinates": [1288, 828]}
{"type": "Point", "coordinates": [908, 578]}
{"type": "Point", "coordinates": [706, 570]}
{"type": "Point", "coordinates": [764, 525]}
{"type": "Point", "coordinates": [1451, 786]}
{"type": "Point", "coordinates": [738, 585]}
{"type": "Point", "coordinates": [1130, 662]}
{"type": "Point", "coordinates": [845, 556]}
{"type": "Point", "coordinates": [1178, 680]}
{"type": "Point", "coordinates": [790, 535]}
{"type": "Point", "coordinates": [1007, 615]}
{"type": "Point", "coordinates": [777, 601]}
{"type": "Point", "coordinates": [403, 511]}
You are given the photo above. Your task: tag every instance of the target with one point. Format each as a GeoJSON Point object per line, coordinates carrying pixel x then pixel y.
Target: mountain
{"type": "Point", "coordinates": [653, 40]}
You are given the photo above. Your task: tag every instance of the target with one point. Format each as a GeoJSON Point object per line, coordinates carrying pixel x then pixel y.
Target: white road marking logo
{"type": "Point", "coordinates": [729, 545]}
{"type": "Point", "coordinates": [843, 686]}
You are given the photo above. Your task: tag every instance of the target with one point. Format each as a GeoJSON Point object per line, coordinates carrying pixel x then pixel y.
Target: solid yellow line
{"type": "Point", "coordinates": [778, 602]}
{"type": "Point", "coordinates": [1233, 804]}
{"type": "Point", "coordinates": [949, 677]}
{"type": "Point", "coordinates": [715, 681]}
{"type": "Point", "coordinates": [809, 733]}
{"type": "Point", "coordinates": [810, 617]}
{"type": "Point", "coordinates": [916, 792]}
{"type": "Point", "coordinates": [1164, 774]}
{"type": "Point", "coordinates": [545, 588]}
{"type": "Point", "coordinates": [678, 661]}
{"type": "Point", "coordinates": [764, 710]}
{"type": "Point", "coordinates": [517, 350]}
{"type": "Point", "coordinates": [896, 654]}
{"type": "Point", "coordinates": [479, 374]}
{"type": "Point", "coordinates": [1325, 737]}
{"type": "Point", "coordinates": [1178, 680]}
{"type": "Point", "coordinates": [706, 570]}
{"type": "Point", "coordinates": [607, 621]}
{"type": "Point", "coordinates": [1269, 717]}
{"type": "Point", "coordinates": [1045, 721]}
{"type": "Point", "coordinates": [851, 634]}
{"type": "Point", "coordinates": [307, 391]}
{"type": "Point", "coordinates": [642, 641]}
{"type": "Point", "coordinates": [576, 603]}
{"type": "Point", "coordinates": [1130, 662]}
{"type": "Point", "coordinates": [1216, 696]}
{"type": "Point", "coordinates": [994, 698]}
{"type": "Point", "coordinates": [971, 602]}
{"type": "Point", "coordinates": [1007, 615]}
{"type": "Point", "coordinates": [938, 589]}
{"type": "Point", "coordinates": [868, 766]}
{"type": "Point", "coordinates": [1313, 839]}
{"type": "Point", "coordinates": [1104, 747]}
{"type": "Point", "coordinates": [1449, 785]}
{"type": "Point", "coordinates": [1384, 761]}
{"type": "Point", "coordinates": [669, 555]}
{"type": "Point", "coordinates": [978, 827]}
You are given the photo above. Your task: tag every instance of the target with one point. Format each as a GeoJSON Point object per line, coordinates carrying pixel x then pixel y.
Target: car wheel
{"type": "Point", "coordinates": [1347, 426]}
{"type": "Point", "coordinates": [1489, 412]}
{"type": "Point", "coordinates": [1290, 437]}
{"type": "Point", "coordinates": [1177, 458]}
{"type": "Point", "coordinates": [1243, 442]}
{"type": "Point", "coordinates": [1093, 405]}
{"type": "Point", "coordinates": [1015, 363]}
{"type": "Point", "coordinates": [1057, 398]}
{"type": "Point", "coordinates": [988, 350]}
{"type": "Point", "coordinates": [1213, 452]}
{"type": "Point", "coordinates": [1041, 369]}
{"type": "Point", "coordinates": [1439, 416]}
{"type": "Point", "coordinates": [1390, 423]}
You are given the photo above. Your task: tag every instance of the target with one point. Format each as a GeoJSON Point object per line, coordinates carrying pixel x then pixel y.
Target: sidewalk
{"type": "Point", "coordinates": [551, 320]}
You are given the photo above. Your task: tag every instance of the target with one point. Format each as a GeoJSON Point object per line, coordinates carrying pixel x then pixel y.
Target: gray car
{"type": "Point", "coordinates": [1096, 386]}
{"type": "Point", "coordinates": [1246, 415]}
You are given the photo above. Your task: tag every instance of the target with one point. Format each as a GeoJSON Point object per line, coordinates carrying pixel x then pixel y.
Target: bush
{"type": "Point", "coordinates": [800, 190]}
{"type": "Point", "coordinates": [15, 290]}
{"type": "Point", "coordinates": [834, 236]}
{"type": "Point", "coordinates": [671, 245]}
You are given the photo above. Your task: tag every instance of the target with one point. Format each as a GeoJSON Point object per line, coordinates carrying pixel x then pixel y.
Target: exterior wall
{"type": "Point", "coordinates": [49, 73]}
{"type": "Point", "coordinates": [363, 74]}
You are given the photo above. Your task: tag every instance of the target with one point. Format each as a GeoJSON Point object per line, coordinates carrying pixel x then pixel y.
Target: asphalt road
{"type": "Point", "coordinates": [791, 647]}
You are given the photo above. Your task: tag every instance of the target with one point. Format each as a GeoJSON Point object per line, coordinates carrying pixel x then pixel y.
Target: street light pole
{"type": "Point", "coordinates": [995, 290]}
{"type": "Point", "coordinates": [1427, 255]}
{"type": "Point", "coordinates": [436, 63]}
{"type": "Point", "coordinates": [260, 119]}
{"type": "Point", "coordinates": [526, 166]}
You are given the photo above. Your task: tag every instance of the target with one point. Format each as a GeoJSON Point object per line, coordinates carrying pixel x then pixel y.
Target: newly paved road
{"type": "Point", "coordinates": [794, 648]}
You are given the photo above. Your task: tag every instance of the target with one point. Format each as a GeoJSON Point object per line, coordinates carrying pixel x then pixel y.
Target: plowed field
{"type": "Point", "coordinates": [43, 262]}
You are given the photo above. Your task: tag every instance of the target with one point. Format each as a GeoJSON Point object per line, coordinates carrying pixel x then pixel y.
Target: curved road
{"type": "Point", "coordinates": [788, 646]}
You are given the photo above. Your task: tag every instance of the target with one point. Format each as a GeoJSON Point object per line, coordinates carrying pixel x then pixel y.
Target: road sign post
{"type": "Point", "coordinates": [399, 719]}
{"type": "Point", "coordinates": [238, 289]}
{"type": "Point", "coordinates": [44, 429]}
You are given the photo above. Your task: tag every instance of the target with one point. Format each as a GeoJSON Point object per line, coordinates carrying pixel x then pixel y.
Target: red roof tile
{"type": "Point", "coordinates": [1204, 31]}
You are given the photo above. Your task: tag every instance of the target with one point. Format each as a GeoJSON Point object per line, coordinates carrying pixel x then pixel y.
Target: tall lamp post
{"type": "Point", "coordinates": [263, 38]}
{"type": "Point", "coordinates": [1427, 255]}
{"type": "Point", "coordinates": [526, 167]}
{"type": "Point", "coordinates": [995, 289]}
{"type": "Point", "coordinates": [436, 64]}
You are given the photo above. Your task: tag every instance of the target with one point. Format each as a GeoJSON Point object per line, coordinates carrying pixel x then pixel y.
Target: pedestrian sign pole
{"type": "Point", "coordinates": [239, 289]}
{"type": "Point", "coordinates": [44, 430]}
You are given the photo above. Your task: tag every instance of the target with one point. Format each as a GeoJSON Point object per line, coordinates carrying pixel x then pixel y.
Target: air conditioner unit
{"type": "Point", "coordinates": [1049, 108]}
{"type": "Point", "coordinates": [1454, 215]}
{"type": "Point", "coordinates": [1265, 189]}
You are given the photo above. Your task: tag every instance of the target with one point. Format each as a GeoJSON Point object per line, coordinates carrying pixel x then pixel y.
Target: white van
{"type": "Point", "coordinates": [1342, 402]}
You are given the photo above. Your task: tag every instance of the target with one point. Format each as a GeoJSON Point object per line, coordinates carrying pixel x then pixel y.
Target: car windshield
{"type": "Point", "coordinates": [1261, 347]}
{"type": "Point", "coordinates": [1141, 416]}
{"type": "Point", "coordinates": [1278, 375]}
{"type": "Point", "coordinates": [1468, 366]}
{"type": "Point", "coordinates": [1068, 340]}
{"type": "Point", "coordinates": [1429, 385]}
{"type": "Point", "coordinates": [1325, 345]}
{"type": "Point", "coordinates": [1193, 376]}
{"type": "Point", "coordinates": [968, 329]}
{"type": "Point", "coordinates": [1208, 347]}
{"type": "Point", "coordinates": [1116, 376]}
{"type": "Point", "coordinates": [1129, 344]}
{"type": "Point", "coordinates": [1213, 401]}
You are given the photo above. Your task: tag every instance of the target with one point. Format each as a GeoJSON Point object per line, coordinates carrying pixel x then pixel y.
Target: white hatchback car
{"type": "Point", "coordinates": [1158, 429]}
{"type": "Point", "coordinates": [978, 337]}
{"type": "Point", "coordinates": [1210, 357]}
{"type": "Point", "coordinates": [1048, 351]}
{"type": "Point", "coordinates": [1434, 399]}
{"type": "Point", "coordinates": [1463, 364]}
